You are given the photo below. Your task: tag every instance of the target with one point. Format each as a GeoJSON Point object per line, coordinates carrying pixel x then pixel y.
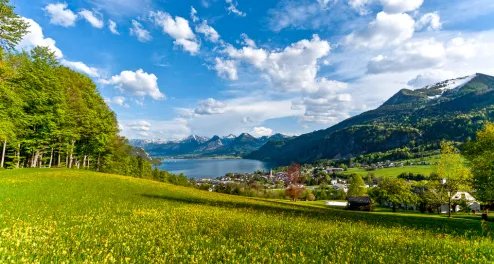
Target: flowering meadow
{"type": "Point", "coordinates": [67, 216]}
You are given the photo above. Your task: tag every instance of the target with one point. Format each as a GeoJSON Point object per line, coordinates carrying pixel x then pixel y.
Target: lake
{"type": "Point", "coordinates": [212, 168]}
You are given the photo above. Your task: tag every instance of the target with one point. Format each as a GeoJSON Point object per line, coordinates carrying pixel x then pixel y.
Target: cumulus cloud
{"type": "Point", "coordinates": [232, 8]}
{"type": "Point", "coordinates": [247, 41]}
{"type": "Point", "coordinates": [359, 5]}
{"type": "Point", "coordinates": [400, 6]}
{"type": "Point", "coordinates": [137, 83]}
{"type": "Point", "coordinates": [178, 29]}
{"type": "Point", "coordinates": [140, 32]}
{"type": "Point", "coordinates": [60, 15]}
{"type": "Point", "coordinates": [81, 67]}
{"type": "Point", "coordinates": [261, 131]}
{"type": "Point", "coordinates": [112, 26]}
{"type": "Point", "coordinates": [210, 107]}
{"type": "Point", "coordinates": [385, 30]}
{"type": "Point", "coordinates": [91, 18]}
{"type": "Point", "coordinates": [209, 32]}
{"type": "Point", "coordinates": [140, 126]}
{"type": "Point", "coordinates": [226, 69]}
{"type": "Point", "coordinates": [118, 100]}
{"type": "Point", "coordinates": [422, 54]}
{"type": "Point", "coordinates": [429, 21]}
{"type": "Point", "coordinates": [291, 69]}
{"type": "Point", "coordinates": [35, 38]}
{"type": "Point", "coordinates": [329, 110]}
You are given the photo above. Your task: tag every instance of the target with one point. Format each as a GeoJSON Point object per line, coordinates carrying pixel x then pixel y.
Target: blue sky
{"type": "Point", "coordinates": [172, 68]}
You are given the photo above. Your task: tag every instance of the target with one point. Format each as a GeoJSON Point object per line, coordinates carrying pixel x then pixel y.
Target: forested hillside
{"type": "Point", "coordinates": [52, 116]}
{"type": "Point", "coordinates": [410, 121]}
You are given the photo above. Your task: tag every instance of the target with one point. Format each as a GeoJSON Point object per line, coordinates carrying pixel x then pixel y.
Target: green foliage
{"type": "Point", "coordinates": [12, 26]}
{"type": "Point", "coordinates": [87, 217]}
{"type": "Point", "coordinates": [393, 192]}
{"type": "Point", "coordinates": [480, 153]}
{"type": "Point", "coordinates": [356, 186]}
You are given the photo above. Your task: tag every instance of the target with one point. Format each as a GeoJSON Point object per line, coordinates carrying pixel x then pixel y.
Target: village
{"type": "Point", "coordinates": [332, 184]}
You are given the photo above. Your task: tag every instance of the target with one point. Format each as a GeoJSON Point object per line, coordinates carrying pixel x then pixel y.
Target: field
{"type": "Point", "coordinates": [76, 216]}
{"type": "Point", "coordinates": [394, 172]}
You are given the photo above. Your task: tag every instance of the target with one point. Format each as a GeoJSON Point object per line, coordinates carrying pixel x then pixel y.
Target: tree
{"type": "Point", "coordinates": [451, 171]}
{"type": "Point", "coordinates": [357, 186]}
{"type": "Point", "coordinates": [480, 153]}
{"type": "Point", "coordinates": [12, 26]}
{"type": "Point", "coordinates": [394, 192]}
{"type": "Point", "coordinates": [293, 189]}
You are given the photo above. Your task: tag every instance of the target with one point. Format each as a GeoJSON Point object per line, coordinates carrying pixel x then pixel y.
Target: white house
{"type": "Point", "coordinates": [472, 202]}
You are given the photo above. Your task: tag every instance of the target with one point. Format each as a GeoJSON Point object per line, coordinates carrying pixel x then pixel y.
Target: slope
{"type": "Point", "coordinates": [79, 216]}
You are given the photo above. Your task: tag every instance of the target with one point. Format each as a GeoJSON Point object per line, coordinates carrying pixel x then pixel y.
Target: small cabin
{"type": "Point", "coordinates": [360, 203]}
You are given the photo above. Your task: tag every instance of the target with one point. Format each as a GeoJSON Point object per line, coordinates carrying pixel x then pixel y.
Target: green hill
{"type": "Point", "coordinates": [78, 216]}
{"type": "Point", "coordinates": [451, 110]}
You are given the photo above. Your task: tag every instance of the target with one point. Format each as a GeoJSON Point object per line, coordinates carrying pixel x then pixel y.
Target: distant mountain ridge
{"type": "Point", "coordinates": [194, 145]}
{"type": "Point", "coordinates": [452, 110]}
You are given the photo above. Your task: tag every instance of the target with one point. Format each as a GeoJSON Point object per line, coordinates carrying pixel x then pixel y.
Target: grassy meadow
{"type": "Point", "coordinates": [76, 216]}
{"type": "Point", "coordinates": [394, 172]}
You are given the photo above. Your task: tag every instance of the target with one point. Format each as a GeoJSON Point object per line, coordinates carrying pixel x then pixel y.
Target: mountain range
{"type": "Point", "coordinates": [451, 110]}
{"type": "Point", "coordinates": [198, 146]}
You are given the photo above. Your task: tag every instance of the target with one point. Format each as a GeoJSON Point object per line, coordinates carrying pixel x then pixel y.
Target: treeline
{"type": "Point", "coordinates": [52, 116]}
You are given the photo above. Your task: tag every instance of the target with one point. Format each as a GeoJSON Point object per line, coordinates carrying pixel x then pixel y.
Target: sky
{"type": "Point", "coordinates": [174, 68]}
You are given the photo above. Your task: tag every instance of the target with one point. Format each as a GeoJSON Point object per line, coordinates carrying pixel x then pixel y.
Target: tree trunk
{"type": "Point", "coordinates": [449, 207]}
{"type": "Point", "coordinates": [66, 159]}
{"type": "Point", "coordinates": [84, 162]}
{"type": "Point", "coordinates": [88, 157]}
{"type": "Point", "coordinates": [51, 158]}
{"type": "Point", "coordinates": [71, 154]}
{"type": "Point", "coordinates": [18, 156]}
{"type": "Point", "coordinates": [99, 155]}
{"type": "Point", "coordinates": [34, 162]}
{"type": "Point", "coordinates": [3, 153]}
{"type": "Point", "coordinates": [41, 160]}
{"type": "Point", "coordinates": [58, 163]}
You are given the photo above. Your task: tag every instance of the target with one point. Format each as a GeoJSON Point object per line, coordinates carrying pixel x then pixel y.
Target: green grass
{"type": "Point", "coordinates": [393, 172]}
{"type": "Point", "coordinates": [76, 216]}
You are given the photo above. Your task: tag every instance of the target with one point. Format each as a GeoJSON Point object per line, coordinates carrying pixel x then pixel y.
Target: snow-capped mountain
{"type": "Point", "coordinates": [194, 145]}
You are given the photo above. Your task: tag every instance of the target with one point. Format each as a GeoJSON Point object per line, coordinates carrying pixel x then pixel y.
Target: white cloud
{"type": "Point", "coordinates": [91, 18]}
{"type": "Point", "coordinates": [193, 14]}
{"type": "Point", "coordinates": [210, 107]}
{"type": "Point", "coordinates": [35, 38]}
{"type": "Point", "coordinates": [430, 77]}
{"type": "Point", "coordinates": [209, 32]}
{"type": "Point", "coordinates": [329, 110]}
{"type": "Point", "coordinates": [422, 54]}
{"type": "Point", "coordinates": [112, 26]}
{"type": "Point", "coordinates": [247, 41]}
{"type": "Point", "coordinates": [138, 30]}
{"type": "Point", "coordinates": [400, 6]}
{"type": "Point", "coordinates": [232, 8]}
{"type": "Point", "coordinates": [81, 67]}
{"type": "Point", "coordinates": [140, 126]}
{"type": "Point", "coordinates": [118, 100]}
{"type": "Point", "coordinates": [226, 69]}
{"type": "Point", "coordinates": [430, 21]}
{"type": "Point", "coordinates": [177, 128]}
{"type": "Point", "coordinates": [386, 30]}
{"type": "Point", "coordinates": [60, 15]}
{"type": "Point", "coordinates": [137, 83]}
{"type": "Point", "coordinates": [261, 131]}
{"type": "Point", "coordinates": [359, 5]}
{"type": "Point", "coordinates": [178, 29]}
{"type": "Point", "coordinates": [291, 69]}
